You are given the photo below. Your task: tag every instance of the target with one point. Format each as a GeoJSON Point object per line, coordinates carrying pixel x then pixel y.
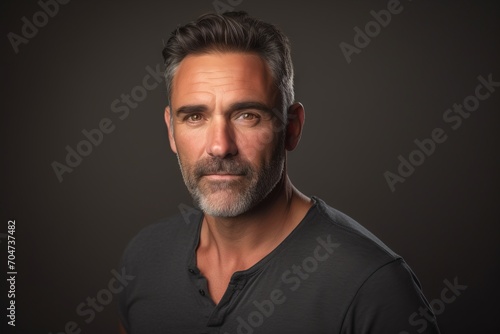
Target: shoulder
{"type": "Point", "coordinates": [164, 235]}
{"type": "Point", "coordinates": [383, 290]}
{"type": "Point", "coordinates": [359, 253]}
{"type": "Point", "coordinates": [388, 302]}
{"type": "Point", "coordinates": [352, 233]}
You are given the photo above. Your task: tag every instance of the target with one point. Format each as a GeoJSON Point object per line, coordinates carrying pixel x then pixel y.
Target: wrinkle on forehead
{"type": "Point", "coordinates": [215, 73]}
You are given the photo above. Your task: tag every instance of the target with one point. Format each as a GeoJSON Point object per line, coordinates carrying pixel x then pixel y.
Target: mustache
{"type": "Point", "coordinates": [221, 166]}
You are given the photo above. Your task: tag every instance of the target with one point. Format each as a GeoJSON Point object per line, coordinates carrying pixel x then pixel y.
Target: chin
{"type": "Point", "coordinates": [224, 204]}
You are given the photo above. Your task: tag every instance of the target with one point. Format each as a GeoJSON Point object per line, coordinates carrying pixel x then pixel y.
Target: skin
{"type": "Point", "coordinates": [216, 82]}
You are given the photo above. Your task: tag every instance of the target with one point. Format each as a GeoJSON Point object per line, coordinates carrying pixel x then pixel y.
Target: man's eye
{"type": "Point", "coordinates": [248, 116]}
{"type": "Point", "coordinates": [194, 118]}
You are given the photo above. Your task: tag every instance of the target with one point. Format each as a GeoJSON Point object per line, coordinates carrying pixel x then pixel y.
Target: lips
{"type": "Point", "coordinates": [221, 176]}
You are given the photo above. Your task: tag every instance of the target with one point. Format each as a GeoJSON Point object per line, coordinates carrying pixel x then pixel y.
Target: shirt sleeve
{"type": "Point", "coordinates": [390, 301]}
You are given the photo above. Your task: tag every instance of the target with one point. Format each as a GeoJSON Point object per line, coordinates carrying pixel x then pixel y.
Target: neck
{"type": "Point", "coordinates": [245, 239]}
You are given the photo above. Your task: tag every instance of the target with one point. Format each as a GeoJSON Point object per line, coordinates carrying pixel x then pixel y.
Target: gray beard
{"type": "Point", "coordinates": [242, 194]}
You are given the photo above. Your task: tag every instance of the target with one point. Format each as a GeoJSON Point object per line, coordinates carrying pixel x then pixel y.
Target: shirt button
{"type": "Point", "coordinates": [192, 271]}
{"type": "Point", "coordinates": [202, 292]}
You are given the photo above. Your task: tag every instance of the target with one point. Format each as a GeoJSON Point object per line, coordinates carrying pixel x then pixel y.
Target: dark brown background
{"type": "Point", "coordinates": [360, 116]}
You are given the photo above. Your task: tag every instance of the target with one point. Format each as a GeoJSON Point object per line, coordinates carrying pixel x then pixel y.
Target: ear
{"type": "Point", "coordinates": [170, 130]}
{"type": "Point", "coordinates": [296, 118]}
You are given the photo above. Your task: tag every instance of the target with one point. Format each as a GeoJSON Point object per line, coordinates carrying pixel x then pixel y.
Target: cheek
{"type": "Point", "coordinates": [189, 144]}
{"type": "Point", "coordinates": [258, 147]}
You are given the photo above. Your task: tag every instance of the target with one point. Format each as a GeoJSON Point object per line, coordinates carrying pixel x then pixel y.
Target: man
{"type": "Point", "coordinates": [259, 256]}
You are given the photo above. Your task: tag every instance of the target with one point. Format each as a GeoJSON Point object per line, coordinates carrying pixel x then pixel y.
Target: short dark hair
{"type": "Point", "coordinates": [233, 32]}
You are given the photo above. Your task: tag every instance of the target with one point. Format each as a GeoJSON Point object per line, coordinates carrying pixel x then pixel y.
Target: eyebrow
{"type": "Point", "coordinates": [237, 106]}
{"type": "Point", "coordinates": [191, 108]}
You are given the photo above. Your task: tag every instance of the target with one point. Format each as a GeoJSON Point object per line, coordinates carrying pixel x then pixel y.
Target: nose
{"type": "Point", "coordinates": [220, 139]}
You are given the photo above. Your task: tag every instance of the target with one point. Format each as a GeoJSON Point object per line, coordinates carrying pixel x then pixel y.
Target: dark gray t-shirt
{"type": "Point", "coordinates": [330, 275]}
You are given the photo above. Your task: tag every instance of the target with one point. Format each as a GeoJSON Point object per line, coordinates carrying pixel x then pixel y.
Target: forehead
{"type": "Point", "coordinates": [216, 73]}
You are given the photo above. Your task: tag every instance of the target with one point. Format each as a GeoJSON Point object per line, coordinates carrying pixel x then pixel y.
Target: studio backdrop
{"type": "Point", "coordinates": [402, 131]}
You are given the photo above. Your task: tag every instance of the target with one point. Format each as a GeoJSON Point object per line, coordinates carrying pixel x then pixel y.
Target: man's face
{"type": "Point", "coordinates": [228, 140]}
